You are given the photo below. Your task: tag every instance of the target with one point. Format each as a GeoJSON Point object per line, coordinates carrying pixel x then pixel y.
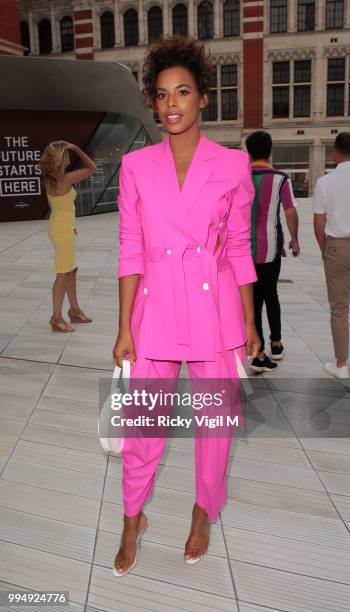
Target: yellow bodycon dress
{"type": "Point", "coordinates": [61, 230]}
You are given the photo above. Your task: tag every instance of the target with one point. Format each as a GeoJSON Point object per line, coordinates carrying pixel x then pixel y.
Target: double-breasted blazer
{"type": "Point", "coordinates": [191, 248]}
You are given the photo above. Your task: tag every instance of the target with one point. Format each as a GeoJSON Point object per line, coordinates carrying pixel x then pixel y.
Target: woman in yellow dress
{"type": "Point", "coordinates": [61, 227]}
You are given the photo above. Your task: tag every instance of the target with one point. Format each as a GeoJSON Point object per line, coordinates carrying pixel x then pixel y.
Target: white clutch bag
{"type": "Point", "coordinates": [243, 375]}
{"type": "Point", "coordinates": [113, 444]}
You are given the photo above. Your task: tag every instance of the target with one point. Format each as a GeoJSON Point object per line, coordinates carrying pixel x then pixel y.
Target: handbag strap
{"type": "Point", "coordinates": [124, 371]}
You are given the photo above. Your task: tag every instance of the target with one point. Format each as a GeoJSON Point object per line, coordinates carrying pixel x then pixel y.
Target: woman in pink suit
{"type": "Point", "coordinates": [186, 275]}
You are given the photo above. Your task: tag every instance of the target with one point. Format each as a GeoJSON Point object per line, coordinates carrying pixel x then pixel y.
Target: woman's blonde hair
{"type": "Point", "coordinates": [53, 162]}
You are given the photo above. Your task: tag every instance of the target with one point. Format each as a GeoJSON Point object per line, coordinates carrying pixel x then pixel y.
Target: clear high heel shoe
{"type": "Point", "coordinates": [138, 544]}
{"type": "Point", "coordinates": [194, 560]}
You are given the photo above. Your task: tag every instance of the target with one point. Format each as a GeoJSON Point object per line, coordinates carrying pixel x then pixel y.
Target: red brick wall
{"type": "Point", "coordinates": [253, 48]}
{"type": "Point", "coordinates": [9, 21]}
{"type": "Point", "coordinates": [253, 83]}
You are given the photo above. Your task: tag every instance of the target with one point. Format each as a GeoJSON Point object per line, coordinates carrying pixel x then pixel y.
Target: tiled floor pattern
{"type": "Point", "coordinates": [282, 541]}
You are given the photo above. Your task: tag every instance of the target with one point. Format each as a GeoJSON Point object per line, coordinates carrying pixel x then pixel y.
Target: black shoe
{"type": "Point", "coordinates": [263, 365]}
{"type": "Point", "coordinates": [277, 352]}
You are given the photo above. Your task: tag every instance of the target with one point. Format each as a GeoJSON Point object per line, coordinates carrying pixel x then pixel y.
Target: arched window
{"type": "Point", "coordinates": [25, 40]}
{"type": "Point", "coordinates": [155, 23]}
{"type": "Point", "coordinates": [180, 22]}
{"type": "Point", "coordinates": [107, 30]}
{"type": "Point", "coordinates": [231, 18]}
{"type": "Point", "coordinates": [45, 39]}
{"type": "Point", "coordinates": [131, 28]}
{"type": "Point", "coordinates": [67, 34]}
{"type": "Point", "coordinates": [205, 20]}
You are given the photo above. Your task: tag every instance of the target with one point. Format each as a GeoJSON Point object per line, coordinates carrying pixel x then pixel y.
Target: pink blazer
{"type": "Point", "coordinates": [188, 304]}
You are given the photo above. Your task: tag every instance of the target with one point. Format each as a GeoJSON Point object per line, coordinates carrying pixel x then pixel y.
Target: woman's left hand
{"type": "Point", "coordinates": [253, 341]}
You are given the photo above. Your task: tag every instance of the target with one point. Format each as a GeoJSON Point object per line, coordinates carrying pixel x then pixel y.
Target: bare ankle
{"type": "Point", "coordinates": [341, 364]}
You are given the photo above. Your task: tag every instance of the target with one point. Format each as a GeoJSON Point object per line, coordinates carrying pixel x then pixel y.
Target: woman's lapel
{"type": "Point", "coordinates": [163, 175]}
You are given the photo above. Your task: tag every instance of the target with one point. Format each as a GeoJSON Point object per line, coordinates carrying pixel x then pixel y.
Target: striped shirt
{"type": "Point", "coordinates": [272, 188]}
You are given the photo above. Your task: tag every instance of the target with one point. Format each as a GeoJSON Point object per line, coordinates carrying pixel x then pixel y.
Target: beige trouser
{"type": "Point", "coordinates": [337, 269]}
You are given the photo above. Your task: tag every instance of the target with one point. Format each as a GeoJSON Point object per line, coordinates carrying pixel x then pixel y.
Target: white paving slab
{"type": "Point", "coordinates": [285, 528]}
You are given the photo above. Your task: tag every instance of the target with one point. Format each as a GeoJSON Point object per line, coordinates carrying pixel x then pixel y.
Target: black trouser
{"type": "Point", "coordinates": [265, 290]}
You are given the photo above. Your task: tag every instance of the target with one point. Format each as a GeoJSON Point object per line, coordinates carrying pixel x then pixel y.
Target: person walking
{"type": "Point", "coordinates": [272, 188]}
{"type": "Point", "coordinates": [186, 275]}
{"type": "Point", "coordinates": [61, 195]}
{"type": "Point", "coordinates": [331, 206]}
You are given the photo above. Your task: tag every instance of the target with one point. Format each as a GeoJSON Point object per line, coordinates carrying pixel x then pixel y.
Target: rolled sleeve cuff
{"type": "Point", "coordinates": [244, 269]}
{"type": "Point", "coordinates": [127, 267]}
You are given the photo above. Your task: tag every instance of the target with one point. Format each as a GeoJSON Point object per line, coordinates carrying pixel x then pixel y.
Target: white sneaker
{"type": "Point", "coordinates": [342, 372]}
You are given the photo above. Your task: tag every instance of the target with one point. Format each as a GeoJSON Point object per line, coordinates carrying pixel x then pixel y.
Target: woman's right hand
{"type": "Point", "coordinates": [124, 344]}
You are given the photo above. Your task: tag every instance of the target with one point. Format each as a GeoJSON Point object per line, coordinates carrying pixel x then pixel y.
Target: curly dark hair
{"type": "Point", "coordinates": [174, 51]}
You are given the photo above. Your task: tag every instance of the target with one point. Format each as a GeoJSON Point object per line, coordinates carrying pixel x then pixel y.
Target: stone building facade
{"type": "Point", "coordinates": [281, 65]}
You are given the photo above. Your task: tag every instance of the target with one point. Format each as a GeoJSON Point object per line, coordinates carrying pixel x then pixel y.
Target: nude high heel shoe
{"type": "Point", "coordinates": [61, 326]}
{"type": "Point", "coordinates": [78, 317]}
{"type": "Point", "coordinates": [138, 544]}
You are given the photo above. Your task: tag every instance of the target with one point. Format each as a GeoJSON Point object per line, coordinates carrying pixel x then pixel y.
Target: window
{"type": "Point", "coordinates": [335, 87]}
{"type": "Point", "coordinates": [107, 30]}
{"type": "Point", "coordinates": [67, 34]}
{"type": "Point", "coordinates": [280, 102]}
{"type": "Point", "coordinates": [180, 25]}
{"type": "Point", "coordinates": [280, 72]}
{"type": "Point", "coordinates": [336, 69]}
{"type": "Point", "coordinates": [210, 113]}
{"type": "Point", "coordinates": [302, 92]}
{"type": "Point", "coordinates": [155, 23]}
{"type": "Point", "coordinates": [306, 15]}
{"type": "Point", "coordinates": [278, 15]}
{"type": "Point", "coordinates": [45, 40]}
{"type": "Point", "coordinates": [334, 14]}
{"type": "Point", "coordinates": [25, 40]}
{"type": "Point", "coordinates": [229, 105]}
{"type": "Point", "coordinates": [131, 28]}
{"type": "Point", "coordinates": [231, 18]}
{"type": "Point", "coordinates": [205, 20]}
{"type": "Point", "coordinates": [280, 94]}
{"type": "Point", "coordinates": [302, 71]}
{"type": "Point", "coordinates": [301, 86]}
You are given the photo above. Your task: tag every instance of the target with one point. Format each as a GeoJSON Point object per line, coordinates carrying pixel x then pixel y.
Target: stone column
{"type": "Point", "coordinates": [318, 85]}
{"type": "Point", "coordinates": [96, 27]}
{"type": "Point", "coordinates": [36, 38]}
{"type": "Point", "coordinates": [318, 162]}
{"type": "Point", "coordinates": [166, 17]}
{"type": "Point", "coordinates": [292, 15]}
{"type": "Point", "coordinates": [33, 48]}
{"type": "Point", "coordinates": [217, 24]}
{"type": "Point", "coordinates": [142, 22]}
{"type": "Point", "coordinates": [320, 16]}
{"type": "Point", "coordinates": [117, 23]}
{"type": "Point", "coordinates": [347, 15]}
{"type": "Point", "coordinates": [192, 18]}
{"type": "Point", "coordinates": [53, 28]}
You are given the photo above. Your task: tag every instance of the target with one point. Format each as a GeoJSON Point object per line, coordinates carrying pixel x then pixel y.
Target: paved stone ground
{"type": "Point", "coordinates": [282, 541]}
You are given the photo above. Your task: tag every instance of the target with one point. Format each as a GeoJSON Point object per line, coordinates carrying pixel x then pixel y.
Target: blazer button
{"type": "Point", "coordinates": [198, 249]}
{"type": "Point", "coordinates": [205, 286]}
{"type": "Point", "coordinates": [221, 223]}
{"type": "Point", "coordinates": [168, 251]}
{"type": "Point", "coordinates": [145, 290]}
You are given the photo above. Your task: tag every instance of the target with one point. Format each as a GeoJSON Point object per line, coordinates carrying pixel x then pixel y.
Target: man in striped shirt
{"type": "Point", "coordinates": [272, 188]}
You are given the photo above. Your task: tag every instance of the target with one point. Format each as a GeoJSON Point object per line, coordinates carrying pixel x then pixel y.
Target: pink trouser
{"type": "Point", "coordinates": [141, 455]}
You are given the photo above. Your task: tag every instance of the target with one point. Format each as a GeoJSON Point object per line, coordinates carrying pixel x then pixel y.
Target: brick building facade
{"type": "Point", "coordinates": [281, 65]}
